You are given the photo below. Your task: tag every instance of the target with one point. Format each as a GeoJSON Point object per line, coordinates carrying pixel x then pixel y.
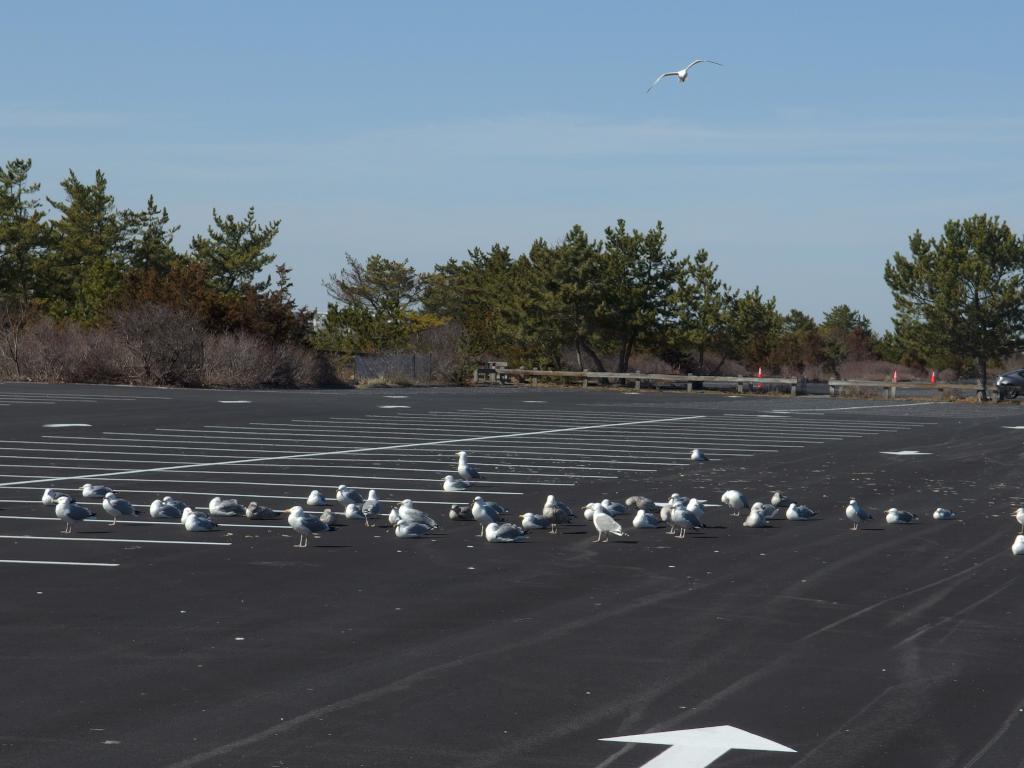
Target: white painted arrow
{"type": "Point", "coordinates": [699, 747]}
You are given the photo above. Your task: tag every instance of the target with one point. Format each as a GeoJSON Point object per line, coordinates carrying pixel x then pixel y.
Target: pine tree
{"type": "Point", "coordinates": [86, 263]}
{"type": "Point", "coordinates": [961, 295]}
{"type": "Point", "coordinates": [24, 235]}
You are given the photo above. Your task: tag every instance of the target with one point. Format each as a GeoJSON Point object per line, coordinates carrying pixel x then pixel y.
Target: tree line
{"type": "Point", "coordinates": [79, 260]}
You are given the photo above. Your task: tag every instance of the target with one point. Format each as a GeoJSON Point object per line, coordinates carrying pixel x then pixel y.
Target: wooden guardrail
{"type": "Point", "coordinates": [889, 389]}
{"type": "Point", "coordinates": [498, 374]}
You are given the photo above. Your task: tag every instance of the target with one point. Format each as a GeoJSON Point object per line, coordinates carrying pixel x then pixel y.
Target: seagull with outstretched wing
{"type": "Point", "coordinates": [683, 73]}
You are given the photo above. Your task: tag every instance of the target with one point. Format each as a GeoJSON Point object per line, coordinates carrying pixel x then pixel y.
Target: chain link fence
{"type": "Point", "coordinates": [397, 367]}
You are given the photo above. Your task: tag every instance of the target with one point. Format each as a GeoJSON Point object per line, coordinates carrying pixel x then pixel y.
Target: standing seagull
{"type": "Point", "coordinates": [371, 507]}
{"type": "Point", "coordinates": [485, 513]}
{"type": "Point", "coordinates": [605, 525]}
{"type": "Point", "coordinates": [557, 512]}
{"type": "Point", "coordinates": [855, 514]}
{"type": "Point", "coordinates": [466, 470]}
{"type": "Point", "coordinates": [305, 525]}
{"type": "Point", "coordinates": [68, 509]}
{"type": "Point", "coordinates": [683, 73]}
{"type": "Point", "coordinates": [736, 501]}
{"type": "Point", "coordinates": [116, 507]}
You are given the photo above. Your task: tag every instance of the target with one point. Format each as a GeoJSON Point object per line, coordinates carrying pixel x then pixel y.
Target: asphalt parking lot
{"type": "Point", "coordinates": [142, 644]}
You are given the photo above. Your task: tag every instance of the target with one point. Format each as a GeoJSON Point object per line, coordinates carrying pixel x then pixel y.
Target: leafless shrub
{"type": "Point", "coordinates": [449, 362]}
{"type": "Point", "coordinates": [240, 360]}
{"type": "Point", "coordinates": [15, 319]}
{"type": "Point", "coordinates": [164, 344]}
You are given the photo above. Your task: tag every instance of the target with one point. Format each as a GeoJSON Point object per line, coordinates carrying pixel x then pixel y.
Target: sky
{"type": "Point", "coordinates": [420, 130]}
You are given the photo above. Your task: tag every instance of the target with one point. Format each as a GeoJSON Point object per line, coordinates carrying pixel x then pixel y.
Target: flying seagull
{"type": "Point", "coordinates": [682, 73]}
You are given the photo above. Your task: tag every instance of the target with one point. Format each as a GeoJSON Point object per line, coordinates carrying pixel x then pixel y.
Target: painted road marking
{"type": "Point", "coordinates": [57, 562]}
{"type": "Point", "coordinates": [906, 453]}
{"type": "Point", "coordinates": [394, 406]}
{"type": "Point", "coordinates": [61, 426]}
{"type": "Point", "coordinates": [348, 451]}
{"type": "Point", "coordinates": [700, 747]}
{"type": "Point", "coordinates": [154, 522]}
{"type": "Point", "coordinates": [233, 402]}
{"type": "Point", "coordinates": [121, 541]}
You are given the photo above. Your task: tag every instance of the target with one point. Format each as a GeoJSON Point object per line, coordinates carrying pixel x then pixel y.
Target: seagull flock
{"type": "Point", "coordinates": [678, 515]}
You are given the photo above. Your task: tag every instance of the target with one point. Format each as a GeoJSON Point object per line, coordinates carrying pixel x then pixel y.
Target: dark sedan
{"type": "Point", "coordinates": [1010, 384]}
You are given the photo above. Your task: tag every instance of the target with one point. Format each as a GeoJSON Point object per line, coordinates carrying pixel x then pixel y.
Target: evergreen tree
{"type": "Point", "coordinates": [376, 307]}
{"type": "Point", "coordinates": [482, 295]}
{"type": "Point", "coordinates": [148, 238]}
{"type": "Point", "coordinates": [845, 333]}
{"type": "Point", "coordinates": [799, 343]}
{"type": "Point", "coordinates": [629, 288]}
{"type": "Point", "coordinates": [234, 251]}
{"type": "Point", "coordinates": [755, 325]}
{"type": "Point", "coordinates": [704, 307]}
{"type": "Point", "coordinates": [557, 299]}
{"type": "Point", "coordinates": [961, 295]}
{"type": "Point", "coordinates": [24, 235]}
{"type": "Point", "coordinates": [85, 264]}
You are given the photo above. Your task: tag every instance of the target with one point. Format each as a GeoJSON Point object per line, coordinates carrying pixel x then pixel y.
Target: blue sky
{"type": "Point", "coordinates": [420, 130]}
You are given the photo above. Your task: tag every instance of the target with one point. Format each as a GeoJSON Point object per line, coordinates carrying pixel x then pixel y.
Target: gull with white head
{"type": "Point", "coordinates": [856, 514]}
{"type": "Point", "coordinates": [117, 507]}
{"type": "Point", "coordinates": [683, 73]}
{"type": "Point", "coordinates": [305, 524]}
{"type": "Point", "coordinates": [71, 511]}
{"type": "Point", "coordinates": [557, 512]}
{"type": "Point", "coordinates": [452, 483]}
{"type": "Point", "coordinates": [605, 524]}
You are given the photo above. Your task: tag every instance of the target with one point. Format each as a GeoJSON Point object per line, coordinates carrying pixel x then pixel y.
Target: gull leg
{"type": "Point", "coordinates": [598, 537]}
{"type": "Point", "coordinates": [67, 528]}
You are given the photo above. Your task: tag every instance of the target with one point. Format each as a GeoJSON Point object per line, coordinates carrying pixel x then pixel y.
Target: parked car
{"type": "Point", "coordinates": [1010, 384]}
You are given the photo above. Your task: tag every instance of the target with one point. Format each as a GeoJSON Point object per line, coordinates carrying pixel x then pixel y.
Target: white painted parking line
{"type": "Point", "coordinates": [370, 449]}
{"type": "Point", "coordinates": [234, 402]}
{"type": "Point", "coordinates": [870, 407]}
{"type": "Point", "coordinates": [336, 470]}
{"type": "Point", "coordinates": [62, 426]}
{"type": "Point", "coordinates": [743, 438]}
{"type": "Point", "coordinates": [121, 541]}
{"type": "Point", "coordinates": [58, 562]}
{"type": "Point", "coordinates": [307, 435]}
{"type": "Point", "coordinates": [139, 522]}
